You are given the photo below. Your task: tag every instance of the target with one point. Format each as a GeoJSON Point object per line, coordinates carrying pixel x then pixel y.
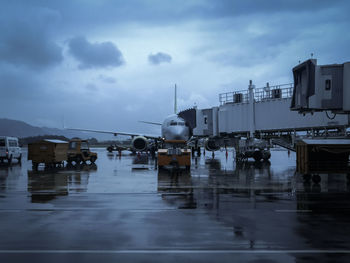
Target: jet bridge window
{"type": "Point", "coordinates": [328, 84]}
{"type": "Point", "coordinates": [2, 143]}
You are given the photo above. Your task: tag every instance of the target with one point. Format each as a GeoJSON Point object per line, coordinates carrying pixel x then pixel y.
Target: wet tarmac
{"type": "Point", "coordinates": [124, 210]}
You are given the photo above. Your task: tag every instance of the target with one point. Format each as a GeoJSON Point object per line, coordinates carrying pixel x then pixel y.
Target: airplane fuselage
{"type": "Point", "coordinates": [175, 128]}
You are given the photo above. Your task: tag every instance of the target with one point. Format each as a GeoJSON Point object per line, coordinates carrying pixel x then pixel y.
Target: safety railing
{"type": "Point", "coordinates": [234, 97]}
{"type": "Point", "coordinates": [260, 94]}
{"type": "Point", "coordinates": [274, 92]}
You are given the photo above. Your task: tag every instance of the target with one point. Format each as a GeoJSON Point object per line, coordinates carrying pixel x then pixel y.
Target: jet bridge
{"type": "Point", "coordinates": [264, 113]}
{"type": "Point", "coordinates": [321, 87]}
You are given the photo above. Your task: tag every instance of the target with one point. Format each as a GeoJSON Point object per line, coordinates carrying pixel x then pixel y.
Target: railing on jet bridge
{"type": "Point", "coordinates": [282, 91]}
{"type": "Point", "coordinates": [260, 94]}
{"type": "Point", "coordinates": [231, 97]}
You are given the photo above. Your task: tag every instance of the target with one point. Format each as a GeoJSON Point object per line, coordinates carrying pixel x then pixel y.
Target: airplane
{"type": "Point", "coordinates": [172, 128]}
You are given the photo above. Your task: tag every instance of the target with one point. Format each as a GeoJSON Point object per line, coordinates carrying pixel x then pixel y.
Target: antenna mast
{"type": "Point", "coordinates": [175, 101]}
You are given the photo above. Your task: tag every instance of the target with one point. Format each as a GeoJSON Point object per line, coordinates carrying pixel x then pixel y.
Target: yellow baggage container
{"type": "Point", "coordinates": [49, 152]}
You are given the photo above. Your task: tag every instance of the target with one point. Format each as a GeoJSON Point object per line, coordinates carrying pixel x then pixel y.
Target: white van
{"type": "Point", "coordinates": [9, 149]}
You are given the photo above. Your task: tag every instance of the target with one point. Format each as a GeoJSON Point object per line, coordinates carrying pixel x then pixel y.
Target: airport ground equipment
{"type": "Point", "coordinates": [323, 155]}
{"type": "Point", "coordinates": [117, 148]}
{"type": "Point", "coordinates": [321, 87]}
{"type": "Point", "coordinates": [50, 152]}
{"type": "Point", "coordinates": [252, 148]}
{"type": "Point", "coordinates": [262, 113]}
{"type": "Point", "coordinates": [318, 156]}
{"type": "Point", "coordinates": [79, 151]}
{"type": "Point", "coordinates": [9, 149]}
{"type": "Point", "coordinates": [174, 153]}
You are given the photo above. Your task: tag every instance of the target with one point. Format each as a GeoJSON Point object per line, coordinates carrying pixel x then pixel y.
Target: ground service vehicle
{"type": "Point", "coordinates": [9, 149]}
{"type": "Point", "coordinates": [79, 151]}
{"type": "Point", "coordinates": [49, 152]}
{"type": "Point", "coordinates": [174, 153]}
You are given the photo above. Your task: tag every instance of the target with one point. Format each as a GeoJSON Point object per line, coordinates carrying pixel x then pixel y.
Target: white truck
{"type": "Point", "coordinates": [9, 149]}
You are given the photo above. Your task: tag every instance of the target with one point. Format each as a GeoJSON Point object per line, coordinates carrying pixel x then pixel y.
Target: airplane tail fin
{"type": "Point", "coordinates": [63, 122]}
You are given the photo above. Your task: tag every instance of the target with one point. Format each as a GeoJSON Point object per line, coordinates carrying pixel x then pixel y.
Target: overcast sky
{"type": "Point", "coordinates": [107, 64]}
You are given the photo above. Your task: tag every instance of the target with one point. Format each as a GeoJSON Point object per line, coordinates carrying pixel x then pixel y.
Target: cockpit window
{"type": "Point", "coordinates": [174, 123]}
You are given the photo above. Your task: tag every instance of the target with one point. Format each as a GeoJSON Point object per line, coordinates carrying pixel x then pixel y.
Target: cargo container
{"type": "Point", "coordinates": [49, 152]}
{"type": "Point", "coordinates": [323, 156]}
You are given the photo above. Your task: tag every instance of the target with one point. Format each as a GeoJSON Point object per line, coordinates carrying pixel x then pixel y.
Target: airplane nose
{"type": "Point", "coordinates": [178, 133]}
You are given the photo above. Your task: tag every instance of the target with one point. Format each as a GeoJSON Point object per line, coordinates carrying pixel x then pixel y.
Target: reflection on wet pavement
{"type": "Point", "coordinates": [219, 211]}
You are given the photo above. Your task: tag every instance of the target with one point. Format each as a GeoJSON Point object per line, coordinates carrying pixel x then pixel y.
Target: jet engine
{"type": "Point", "coordinates": [140, 143]}
{"type": "Point", "coordinates": [211, 145]}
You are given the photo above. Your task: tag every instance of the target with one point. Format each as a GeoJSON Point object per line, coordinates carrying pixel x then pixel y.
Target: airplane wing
{"type": "Point", "coordinates": [153, 123]}
{"type": "Point", "coordinates": [117, 133]}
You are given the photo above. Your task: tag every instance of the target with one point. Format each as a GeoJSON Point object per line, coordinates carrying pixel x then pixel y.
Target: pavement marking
{"type": "Point", "coordinates": [180, 251]}
{"type": "Point", "coordinates": [293, 211]}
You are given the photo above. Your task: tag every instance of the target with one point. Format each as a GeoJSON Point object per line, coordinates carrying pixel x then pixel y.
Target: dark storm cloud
{"type": "Point", "coordinates": [19, 84]}
{"type": "Point", "coordinates": [158, 58]}
{"type": "Point", "coordinates": [95, 55]}
{"type": "Point", "coordinates": [26, 39]}
{"type": "Point", "coordinates": [101, 13]}
{"type": "Point", "coordinates": [262, 38]}
{"type": "Point", "coordinates": [270, 35]}
{"type": "Point", "coordinates": [229, 8]}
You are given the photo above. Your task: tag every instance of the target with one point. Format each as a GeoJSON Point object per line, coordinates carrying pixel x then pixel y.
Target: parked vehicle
{"type": "Point", "coordinates": [49, 152]}
{"type": "Point", "coordinates": [79, 151]}
{"type": "Point", "coordinates": [175, 154]}
{"type": "Point", "coordinates": [9, 149]}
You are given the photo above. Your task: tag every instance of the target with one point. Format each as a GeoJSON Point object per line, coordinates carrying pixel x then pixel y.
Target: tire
{"type": "Point", "coordinates": [316, 179]}
{"type": "Point", "coordinates": [93, 159]}
{"type": "Point", "coordinates": [35, 166]}
{"type": "Point", "coordinates": [239, 157]}
{"type": "Point", "coordinates": [110, 149]}
{"type": "Point", "coordinates": [257, 155]}
{"type": "Point", "coordinates": [266, 156]}
{"type": "Point", "coordinates": [78, 159]}
{"type": "Point", "coordinates": [307, 177]}
{"type": "Point", "coordinates": [9, 160]}
{"type": "Point", "coordinates": [19, 158]}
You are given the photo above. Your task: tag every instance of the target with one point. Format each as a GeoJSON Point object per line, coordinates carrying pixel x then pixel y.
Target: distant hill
{"type": "Point", "coordinates": [21, 129]}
